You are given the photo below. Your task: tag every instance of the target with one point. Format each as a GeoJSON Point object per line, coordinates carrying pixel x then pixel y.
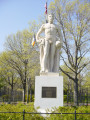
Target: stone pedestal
{"type": "Point", "coordinates": [48, 91]}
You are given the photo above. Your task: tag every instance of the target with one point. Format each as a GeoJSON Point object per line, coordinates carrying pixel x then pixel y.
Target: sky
{"type": "Point", "coordinates": [16, 14]}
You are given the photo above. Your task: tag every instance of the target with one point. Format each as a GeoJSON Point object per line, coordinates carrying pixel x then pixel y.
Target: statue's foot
{"type": "Point", "coordinates": [46, 71]}
{"type": "Point", "coordinates": [42, 71]}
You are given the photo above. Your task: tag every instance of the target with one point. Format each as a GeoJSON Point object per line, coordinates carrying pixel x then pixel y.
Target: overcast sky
{"type": "Point", "coordinates": [16, 14]}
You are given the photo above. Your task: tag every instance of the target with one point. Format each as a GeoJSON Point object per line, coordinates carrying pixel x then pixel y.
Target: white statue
{"type": "Point", "coordinates": [50, 46]}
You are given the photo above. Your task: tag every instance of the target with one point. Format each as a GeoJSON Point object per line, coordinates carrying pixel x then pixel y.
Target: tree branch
{"type": "Point", "coordinates": [67, 74]}
{"type": "Point", "coordinates": [67, 65]}
{"type": "Point", "coordinates": [82, 67]}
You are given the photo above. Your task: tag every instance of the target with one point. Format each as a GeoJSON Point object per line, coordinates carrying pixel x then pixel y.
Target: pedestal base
{"type": "Point", "coordinates": [48, 91]}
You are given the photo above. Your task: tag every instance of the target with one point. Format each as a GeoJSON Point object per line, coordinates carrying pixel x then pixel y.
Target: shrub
{"type": "Point", "coordinates": [30, 108]}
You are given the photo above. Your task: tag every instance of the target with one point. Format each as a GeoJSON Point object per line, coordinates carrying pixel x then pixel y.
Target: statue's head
{"type": "Point", "coordinates": [50, 18]}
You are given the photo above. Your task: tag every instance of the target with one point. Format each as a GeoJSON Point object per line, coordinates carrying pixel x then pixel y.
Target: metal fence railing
{"type": "Point", "coordinates": [32, 113]}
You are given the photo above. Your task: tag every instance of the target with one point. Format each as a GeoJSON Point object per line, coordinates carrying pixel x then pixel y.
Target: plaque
{"type": "Point", "coordinates": [48, 92]}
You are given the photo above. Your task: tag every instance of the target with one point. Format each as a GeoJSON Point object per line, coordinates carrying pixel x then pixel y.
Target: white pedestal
{"type": "Point", "coordinates": [53, 81]}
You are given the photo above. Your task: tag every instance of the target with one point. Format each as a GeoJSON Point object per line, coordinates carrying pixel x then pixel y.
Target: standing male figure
{"type": "Point", "coordinates": [49, 42]}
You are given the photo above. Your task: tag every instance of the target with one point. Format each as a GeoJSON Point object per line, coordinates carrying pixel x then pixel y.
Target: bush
{"type": "Point", "coordinates": [18, 108]}
{"type": "Point", "coordinates": [65, 98]}
{"type": "Point", "coordinates": [30, 108]}
{"type": "Point", "coordinates": [81, 109]}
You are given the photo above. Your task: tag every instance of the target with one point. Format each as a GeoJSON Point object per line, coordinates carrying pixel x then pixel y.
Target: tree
{"type": "Point", "coordinates": [87, 80]}
{"type": "Point", "coordinates": [68, 83]}
{"type": "Point", "coordinates": [7, 74]}
{"type": "Point", "coordinates": [1, 80]}
{"type": "Point", "coordinates": [22, 56]}
{"type": "Point", "coordinates": [73, 18]}
{"type": "Point", "coordinates": [1, 77]}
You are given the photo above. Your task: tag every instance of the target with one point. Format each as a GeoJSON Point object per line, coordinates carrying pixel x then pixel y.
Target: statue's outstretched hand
{"type": "Point", "coordinates": [58, 44]}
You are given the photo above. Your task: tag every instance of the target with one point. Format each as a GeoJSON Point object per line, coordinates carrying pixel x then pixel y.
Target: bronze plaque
{"type": "Point", "coordinates": [48, 92]}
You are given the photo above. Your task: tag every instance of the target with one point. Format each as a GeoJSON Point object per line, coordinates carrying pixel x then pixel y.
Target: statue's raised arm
{"type": "Point", "coordinates": [41, 30]}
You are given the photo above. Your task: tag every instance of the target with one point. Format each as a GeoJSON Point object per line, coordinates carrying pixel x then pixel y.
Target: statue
{"type": "Point", "coordinates": [50, 46]}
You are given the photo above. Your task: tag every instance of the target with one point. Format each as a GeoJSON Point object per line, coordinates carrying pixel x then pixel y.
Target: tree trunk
{"type": "Point", "coordinates": [76, 93]}
{"type": "Point", "coordinates": [12, 97]}
{"type": "Point", "coordinates": [27, 93]}
{"type": "Point", "coordinates": [30, 93]}
{"type": "Point", "coordinates": [24, 91]}
{"type": "Point", "coordinates": [76, 79]}
{"type": "Point", "coordinates": [24, 84]}
{"type": "Point", "coordinates": [12, 93]}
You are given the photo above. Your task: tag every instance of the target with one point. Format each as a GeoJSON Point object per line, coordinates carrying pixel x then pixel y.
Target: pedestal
{"type": "Point", "coordinates": [48, 91]}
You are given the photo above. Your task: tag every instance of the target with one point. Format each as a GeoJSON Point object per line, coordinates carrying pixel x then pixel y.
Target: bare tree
{"type": "Point", "coordinates": [74, 20]}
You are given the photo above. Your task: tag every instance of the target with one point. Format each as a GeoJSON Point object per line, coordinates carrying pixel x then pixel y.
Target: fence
{"type": "Point", "coordinates": [6, 96]}
{"type": "Point", "coordinates": [83, 97]}
{"type": "Point", "coordinates": [23, 113]}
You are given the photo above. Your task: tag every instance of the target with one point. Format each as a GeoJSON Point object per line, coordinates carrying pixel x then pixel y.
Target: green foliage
{"type": "Point", "coordinates": [1, 82]}
{"type": "Point", "coordinates": [18, 108]}
{"type": "Point", "coordinates": [65, 98]}
{"type": "Point", "coordinates": [87, 81]}
{"type": "Point", "coordinates": [32, 100]}
{"type": "Point", "coordinates": [30, 108]}
{"type": "Point", "coordinates": [82, 109]}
